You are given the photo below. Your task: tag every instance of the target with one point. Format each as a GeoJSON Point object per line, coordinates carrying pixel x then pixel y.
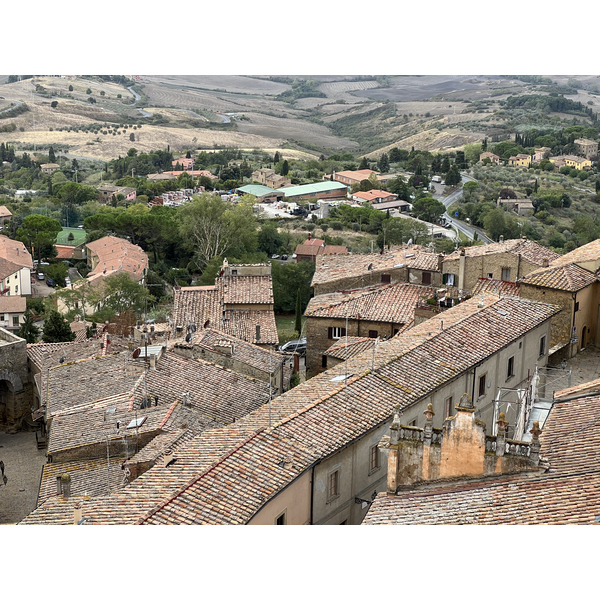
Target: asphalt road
{"type": "Point", "coordinates": [465, 228]}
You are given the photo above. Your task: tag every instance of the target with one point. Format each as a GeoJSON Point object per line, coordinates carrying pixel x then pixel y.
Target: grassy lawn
{"type": "Point", "coordinates": [285, 327]}
{"type": "Point", "coordinates": [78, 236]}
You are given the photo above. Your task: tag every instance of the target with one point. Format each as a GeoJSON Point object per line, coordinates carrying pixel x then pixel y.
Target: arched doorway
{"type": "Point", "coordinates": [7, 401]}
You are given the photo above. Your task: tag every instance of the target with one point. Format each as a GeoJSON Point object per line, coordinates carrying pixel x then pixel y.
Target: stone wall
{"type": "Point", "coordinates": [469, 269]}
{"type": "Point", "coordinates": [16, 390]}
{"type": "Point", "coordinates": [318, 340]}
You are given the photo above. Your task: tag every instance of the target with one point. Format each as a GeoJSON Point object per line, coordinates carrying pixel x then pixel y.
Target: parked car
{"type": "Point", "coordinates": [284, 257]}
{"type": "Point", "coordinates": [50, 282]}
{"type": "Point", "coordinates": [275, 256]}
{"type": "Point", "coordinates": [298, 346]}
{"type": "Point", "coordinates": [41, 276]}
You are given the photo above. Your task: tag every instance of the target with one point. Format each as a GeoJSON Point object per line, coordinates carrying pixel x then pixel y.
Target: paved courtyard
{"type": "Point", "coordinates": [23, 469]}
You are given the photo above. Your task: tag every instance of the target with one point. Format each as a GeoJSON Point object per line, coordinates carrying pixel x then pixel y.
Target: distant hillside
{"type": "Point", "coordinates": [102, 117]}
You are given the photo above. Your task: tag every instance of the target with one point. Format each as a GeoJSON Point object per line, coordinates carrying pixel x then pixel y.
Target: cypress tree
{"type": "Point", "coordinates": [298, 322]}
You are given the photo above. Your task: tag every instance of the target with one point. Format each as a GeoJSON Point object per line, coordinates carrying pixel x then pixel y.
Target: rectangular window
{"type": "Point", "coordinates": [426, 278]}
{"type": "Point", "coordinates": [482, 386]}
{"type": "Point", "coordinates": [576, 306]}
{"type": "Point", "coordinates": [333, 488]}
{"type": "Point", "coordinates": [373, 458]}
{"type": "Point", "coordinates": [448, 278]}
{"type": "Point", "coordinates": [543, 345]}
{"type": "Point", "coordinates": [490, 276]}
{"type": "Point", "coordinates": [510, 368]}
{"type": "Point", "coordinates": [16, 321]}
{"type": "Point", "coordinates": [448, 407]}
{"type": "Point", "coordinates": [280, 520]}
{"type": "Point", "coordinates": [324, 361]}
{"type": "Point", "coordinates": [505, 273]}
{"type": "Point", "coordinates": [335, 333]}
{"type": "Point", "coordinates": [373, 333]}
{"type": "Point", "coordinates": [385, 278]}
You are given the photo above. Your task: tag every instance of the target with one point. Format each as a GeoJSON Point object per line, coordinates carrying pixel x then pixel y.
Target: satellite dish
{"type": "Point", "coordinates": [136, 353]}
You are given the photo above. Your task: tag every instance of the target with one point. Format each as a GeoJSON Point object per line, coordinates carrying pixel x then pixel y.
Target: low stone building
{"type": "Point", "coordinates": [377, 312]}
{"type": "Point", "coordinates": [586, 148]}
{"type": "Point", "coordinates": [571, 282]}
{"type": "Point", "coordinates": [240, 303]}
{"type": "Point", "coordinates": [506, 260]}
{"type": "Point", "coordinates": [312, 248]}
{"type": "Point", "coordinates": [235, 354]}
{"type": "Point", "coordinates": [110, 193]}
{"type": "Point", "coordinates": [411, 264]}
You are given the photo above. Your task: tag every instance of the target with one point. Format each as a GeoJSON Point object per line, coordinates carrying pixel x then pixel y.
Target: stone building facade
{"type": "Point", "coordinates": [16, 395]}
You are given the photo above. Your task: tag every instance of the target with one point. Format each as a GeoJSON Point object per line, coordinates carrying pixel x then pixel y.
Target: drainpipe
{"type": "Point", "coordinates": [312, 494]}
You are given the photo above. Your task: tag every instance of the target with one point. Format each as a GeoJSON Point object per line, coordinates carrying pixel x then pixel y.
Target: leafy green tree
{"type": "Point", "coordinates": [398, 231]}
{"type": "Point", "coordinates": [57, 272]}
{"type": "Point", "coordinates": [364, 164]}
{"type": "Point", "coordinates": [29, 331]}
{"type": "Point", "coordinates": [269, 239]}
{"type": "Point", "coordinates": [39, 232]}
{"type": "Point", "coordinates": [120, 294]}
{"type": "Point", "coordinates": [289, 281]}
{"type": "Point", "coordinates": [56, 329]}
{"type": "Point", "coordinates": [453, 176]}
{"type": "Point", "coordinates": [428, 209]}
{"type": "Point", "coordinates": [212, 228]}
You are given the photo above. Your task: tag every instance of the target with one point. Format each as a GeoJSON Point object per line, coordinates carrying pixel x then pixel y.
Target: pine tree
{"type": "Point", "coordinates": [285, 168]}
{"type": "Point", "coordinates": [364, 163]}
{"type": "Point", "coordinates": [56, 329]}
{"type": "Point", "coordinates": [298, 322]}
{"type": "Point", "coordinates": [384, 163]}
{"type": "Point", "coordinates": [277, 157]}
{"type": "Point", "coordinates": [51, 155]}
{"type": "Point", "coordinates": [29, 330]}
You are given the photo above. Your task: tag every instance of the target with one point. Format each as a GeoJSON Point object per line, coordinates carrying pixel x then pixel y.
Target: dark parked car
{"type": "Point", "coordinates": [50, 282]}
{"type": "Point", "coordinates": [284, 257]}
{"type": "Point", "coordinates": [298, 346]}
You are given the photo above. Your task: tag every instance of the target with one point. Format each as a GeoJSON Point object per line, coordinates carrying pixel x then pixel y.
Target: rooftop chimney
{"type": "Point", "coordinates": [63, 485]}
{"type": "Point", "coordinates": [545, 262]}
{"type": "Point", "coordinates": [501, 239]}
{"type": "Point", "coordinates": [309, 235]}
{"type": "Point", "coordinates": [257, 334]}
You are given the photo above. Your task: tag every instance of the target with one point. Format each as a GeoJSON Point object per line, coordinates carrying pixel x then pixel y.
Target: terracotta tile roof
{"type": "Point", "coordinates": [226, 475]}
{"type": "Point", "coordinates": [4, 212]}
{"type": "Point", "coordinates": [64, 252]}
{"type": "Point", "coordinates": [246, 289]}
{"type": "Point", "coordinates": [567, 492]}
{"type": "Point", "coordinates": [402, 375]}
{"type": "Point", "coordinates": [392, 303]}
{"type": "Point", "coordinates": [69, 386]}
{"type": "Point", "coordinates": [585, 253]}
{"type": "Point", "coordinates": [204, 306]}
{"type": "Point", "coordinates": [495, 286]}
{"type": "Point", "coordinates": [88, 477]}
{"type": "Point", "coordinates": [15, 252]}
{"type": "Point", "coordinates": [528, 249]}
{"type": "Point", "coordinates": [216, 394]}
{"type": "Point", "coordinates": [7, 268]}
{"type": "Point", "coordinates": [569, 277]}
{"type": "Point", "coordinates": [373, 195]}
{"type": "Point", "coordinates": [245, 352]}
{"type": "Point", "coordinates": [13, 304]}
{"type": "Point", "coordinates": [116, 254]}
{"type": "Point", "coordinates": [355, 345]}
{"type": "Point", "coordinates": [332, 268]}
{"type": "Point", "coordinates": [357, 175]}
{"type": "Point", "coordinates": [164, 442]}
